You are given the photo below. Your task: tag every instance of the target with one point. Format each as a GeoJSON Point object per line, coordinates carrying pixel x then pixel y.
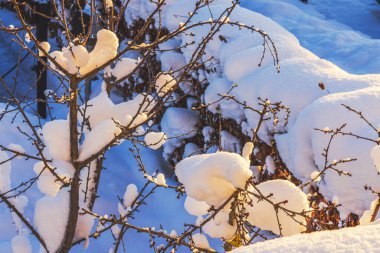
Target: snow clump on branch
{"type": "Point", "coordinates": [211, 179]}
{"type": "Point", "coordinates": [76, 59]}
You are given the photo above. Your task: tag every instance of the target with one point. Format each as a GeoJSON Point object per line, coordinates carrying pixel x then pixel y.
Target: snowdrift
{"type": "Point", "coordinates": [236, 60]}
{"type": "Point", "coordinates": [348, 240]}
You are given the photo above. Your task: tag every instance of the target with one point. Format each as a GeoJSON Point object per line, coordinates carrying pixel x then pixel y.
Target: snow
{"type": "Point", "coordinates": [100, 135]}
{"type": "Point", "coordinates": [263, 215]}
{"type": "Point", "coordinates": [21, 244]}
{"type": "Point", "coordinates": [138, 9]}
{"type": "Point", "coordinates": [123, 67]}
{"type": "Point", "coordinates": [190, 149]}
{"type": "Point", "coordinates": [17, 148]}
{"type": "Point", "coordinates": [45, 46]}
{"type": "Point", "coordinates": [297, 86]}
{"type": "Point", "coordinates": [347, 240]}
{"type": "Point", "coordinates": [201, 241]}
{"type": "Point", "coordinates": [5, 172]}
{"type": "Point", "coordinates": [172, 61]}
{"type": "Point", "coordinates": [101, 108]}
{"type": "Point", "coordinates": [195, 207]}
{"type": "Point", "coordinates": [116, 230]}
{"type": "Point", "coordinates": [76, 56]}
{"type": "Point", "coordinates": [46, 183]}
{"type": "Point", "coordinates": [107, 118]}
{"type": "Point", "coordinates": [317, 28]}
{"type": "Point", "coordinates": [247, 150]}
{"type": "Point", "coordinates": [217, 88]}
{"type": "Point", "coordinates": [155, 140]}
{"type": "Point", "coordinates": [56, 135]}
{"type": "Point", "coordinates": [367, 215]}
{"type": "Point", "coordinates": [160, 179]}
{"type": "Point", "coordinates": [27, 37]}
{"type": "Point", "coordinates": [178, 124]}
{"type": "Point", "coordinates": [219, 226]}
{"type": "Point", "coordinates": [302, 146]}
{"type": "Point", "coordinates": [130, 195]}
{"type": "Point", "coordinates": [20, 202]}
{"type": "Point", "coordinates": [229, 142]}
{"type": "Point", "coordinates": [84, 225]}
{"type": "Point", "coordinates": [164, 84]}
{"type": "Point", "coordinates": [76, 59]}
{"type": "Point", "coordinates": [375, 155]}
{"type": "Point", "coordinates": [55, 210]}
{"type": "Point", "coordinates": [315, 176]}
{"type": "Point", "coordinates": [209, 179]}
{"type": "Point", "coordinates": [270, 165]}
{"type": "Point", "coordinates": [338, 31]}
{"type": "Point", "coordinates": [213, 177]}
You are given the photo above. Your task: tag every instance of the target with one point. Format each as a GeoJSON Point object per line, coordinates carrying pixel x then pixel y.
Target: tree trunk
{"type": "Point", "coordinates": [75, 183]}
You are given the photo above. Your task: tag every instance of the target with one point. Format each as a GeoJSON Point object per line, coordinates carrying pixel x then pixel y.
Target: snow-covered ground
{"type": "Point", "coordinates": [349, 240]}
{"type": "Point", "coordinates": [344, 32]}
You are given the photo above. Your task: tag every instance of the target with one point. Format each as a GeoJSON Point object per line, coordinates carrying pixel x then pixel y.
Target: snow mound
{"type": "Point", "coordinates": [335, 31]}
{"type": "Point", "coordinates": [347, 240]}
{"type": "Point", "coordinates": [263, 215]}
{"type": "Point", "coordinates": [178, 124]}
{"type": "Point", "coordinates": [302, 146]}
{"type": "Point", "coordinates": [213, 177]}
{"type": "Point", "coordinates": [236, 59]}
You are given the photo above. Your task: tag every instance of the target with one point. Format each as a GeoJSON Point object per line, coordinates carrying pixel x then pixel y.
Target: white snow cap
{"type": "Point", "coordinates": [213, 177]}
{"type": "Point", "coordinates": [209, 179]}
{"type": "Point", "coordinates": [195, 207]}
{"type": "Point", "coordinates": [160, 179]}
{"type": "Point", "coordinates": [220, 227]}
{"type": "Point", "coordinates": [47, 183]}
{"type": "Point", "coordinates": [164, 83]}
{"type": "Point", "coordinates": [263, 215]}
{"type": "Point", "coordinates": [21, 244]}
{"type": "Point", "coordinates": [16, 147]}
{"type": "Point", "coordinates": [123, 67]}
{"type": "Point", "coordinates": [375, 154]}
{"type": "Point", "coordinates": [50, 217]}
{"type": "Point", "coordinates": [200, 240]}
{"type": "Point", "coordinates": [155, 140]}
{"type": "Point", "coordinates": [130, 195]}
{"type": "Point", "coordinates": [84, 225]}
{"type": "Point", "coordinates": [178, 124]}
{"type": "Point", "coordinates": [105, 118]}
{"type": "Point", "coordinates": [45, 46]}
{"type": "Point", "coordinates": [56, 134]}
{"type": "Point", "coordinates": [101, 135]}
{"type": "Point", "coordinates": [247, 150]}
{"type": "Point", "coordinates": [75, 58]}
{"type": "Point", "coordinates": [367, 215]}
{"type": "Point", "coordinates": [5, 172]}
